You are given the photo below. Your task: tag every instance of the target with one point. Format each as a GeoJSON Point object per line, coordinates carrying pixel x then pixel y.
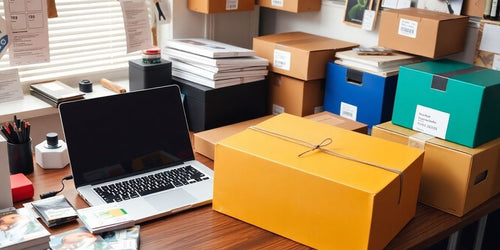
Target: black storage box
{"type": "Point", "coordinates": [208, 108]}
{"type": "Point", "coordinates": [142, 76]}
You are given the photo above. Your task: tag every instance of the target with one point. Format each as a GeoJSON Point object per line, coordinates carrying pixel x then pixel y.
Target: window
{"type": "Point", "coordinates": [86, 38]}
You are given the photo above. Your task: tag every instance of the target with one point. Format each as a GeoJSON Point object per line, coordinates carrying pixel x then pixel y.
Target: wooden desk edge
{"type": "Point", "coordinates": [428, 227]}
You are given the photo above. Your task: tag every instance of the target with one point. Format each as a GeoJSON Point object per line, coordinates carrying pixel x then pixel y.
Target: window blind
{"type": "Point", "coordinates": [86, 38]}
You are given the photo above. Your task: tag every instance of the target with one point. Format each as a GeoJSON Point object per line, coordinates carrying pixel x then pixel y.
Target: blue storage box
{"type": "Point", "coordinates": [361, 96]}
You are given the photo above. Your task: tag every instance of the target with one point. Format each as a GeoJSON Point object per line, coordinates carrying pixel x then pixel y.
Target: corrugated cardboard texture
{"type": "Point", "coordinates": [437, 34]}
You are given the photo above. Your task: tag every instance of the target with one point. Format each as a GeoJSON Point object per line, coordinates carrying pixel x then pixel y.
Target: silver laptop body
{"type": "Point", "coordinates": [115, 139]}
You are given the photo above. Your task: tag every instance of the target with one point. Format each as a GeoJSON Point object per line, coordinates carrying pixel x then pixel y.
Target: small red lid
{"type": "Point", "coordinates": [152, 51]}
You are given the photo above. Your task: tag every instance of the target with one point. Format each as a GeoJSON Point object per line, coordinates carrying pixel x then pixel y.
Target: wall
{"type": "Point", "coordinates": [328, 22]}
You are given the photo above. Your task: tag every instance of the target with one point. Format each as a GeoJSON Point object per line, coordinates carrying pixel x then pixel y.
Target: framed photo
{"type": "Point", "coordinates": [355, 9]}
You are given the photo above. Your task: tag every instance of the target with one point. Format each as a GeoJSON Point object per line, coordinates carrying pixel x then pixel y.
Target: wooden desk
{"type": "Point", "coordinates": [203, 228]}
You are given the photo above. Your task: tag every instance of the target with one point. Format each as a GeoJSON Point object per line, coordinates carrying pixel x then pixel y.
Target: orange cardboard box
{"type": "Point", "coordinates": [204, 141]}
{"type": "Point", "coordinates": [294, 96]}
{"type": "Point", "coordinates": [422, 32]}
{"type": "Point", "coordinates": [357, 192]}
{"type": "Point", "coordinates": [295, 6]}
{"type": "Point", "coordinates": [298, 54]}
{"type": "Point", "coordinates": [455, 178]}
{"type": "Point", "coordinates": [219, 6]}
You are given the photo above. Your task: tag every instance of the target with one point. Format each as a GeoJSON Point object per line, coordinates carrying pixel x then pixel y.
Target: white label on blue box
{"type": "Point", "coordinates": [407, 28]}
{"type": "Point", "coordinates": [278, 3]}
{"type": "Point", "coordinates": [282, 59]}
{"type": "Point", "coordinates": [231, 4]}
{"type": "Point", "coordinates": [431, 121]}
{"type": "Point", "coordinates": [348, 111]}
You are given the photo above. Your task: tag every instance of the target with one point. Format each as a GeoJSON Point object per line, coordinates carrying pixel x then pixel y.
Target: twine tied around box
{"type": "Point", "coordinates": [321, 147]}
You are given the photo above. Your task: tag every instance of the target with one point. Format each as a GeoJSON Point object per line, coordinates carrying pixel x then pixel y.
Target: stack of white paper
{"type": "Point", "coordinates": [384, 65]}
{"type": "Point", "coordinates": [214, 64]}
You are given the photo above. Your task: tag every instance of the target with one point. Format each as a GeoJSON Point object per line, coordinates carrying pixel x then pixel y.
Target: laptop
{"type": "Point", "coordinates": [135, 140]}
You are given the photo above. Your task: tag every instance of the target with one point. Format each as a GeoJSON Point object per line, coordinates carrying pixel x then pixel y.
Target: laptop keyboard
{"type": "Point", "coordinates": [150, 184]}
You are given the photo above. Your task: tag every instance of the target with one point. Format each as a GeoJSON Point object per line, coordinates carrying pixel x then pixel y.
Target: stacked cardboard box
{"type": "Point", "coordinates": [458, 103]}
{"type": "Point", "coordinates": [299, 60]}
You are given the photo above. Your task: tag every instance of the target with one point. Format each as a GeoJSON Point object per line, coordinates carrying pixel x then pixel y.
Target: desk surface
{"type": "Point", "coordinates": [204, 228]}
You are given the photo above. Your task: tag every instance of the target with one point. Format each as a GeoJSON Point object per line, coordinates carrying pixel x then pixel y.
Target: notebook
{"type": "Point", "coordinates": [116, 141]}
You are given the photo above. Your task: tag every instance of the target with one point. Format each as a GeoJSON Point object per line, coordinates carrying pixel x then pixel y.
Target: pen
{"type": "Point", "coordinates": [17, 132]}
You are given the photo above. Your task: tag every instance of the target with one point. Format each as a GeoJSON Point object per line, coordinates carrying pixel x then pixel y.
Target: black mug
{"type": "Point", "coordinates": [20, 157]}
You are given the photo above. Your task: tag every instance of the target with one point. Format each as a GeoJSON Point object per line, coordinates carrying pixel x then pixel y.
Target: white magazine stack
{"type": "Point", "coordinates": [214, 64]}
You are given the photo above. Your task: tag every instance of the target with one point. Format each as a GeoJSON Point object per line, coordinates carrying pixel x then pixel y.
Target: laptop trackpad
{"type": "Point", "coordinates": [173, 199]}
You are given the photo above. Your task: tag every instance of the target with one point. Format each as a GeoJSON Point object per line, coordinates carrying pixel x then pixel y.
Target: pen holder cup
{"type": "Point", "coordinates": [20, 157]}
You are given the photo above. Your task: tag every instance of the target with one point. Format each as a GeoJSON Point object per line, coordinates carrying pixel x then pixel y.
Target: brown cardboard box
{"type": "Point", "coordinates": [455, 178]}
{"type": "Point", "coordinates": [338, 121]}
{"type": "Point", "coordinates": [294, 96]}
{"type": "Point", "coordinates": [218, 6]}
{"type": "Point", "coordinates": [485, 56]}
{"type": "Point", "coordinates": [298, 54]}
{"type": "Point", "coordinates": [204, 142]}
{"type": "Point", "coordinates": [473, 8]}
{"type": "Point", "coordinates": [422, 32]}
{"type": "Point", "coordinates": [295, 6]}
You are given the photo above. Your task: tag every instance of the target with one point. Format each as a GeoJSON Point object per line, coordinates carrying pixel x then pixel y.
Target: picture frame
{"type": "Point", "coordinates": [354, 11]}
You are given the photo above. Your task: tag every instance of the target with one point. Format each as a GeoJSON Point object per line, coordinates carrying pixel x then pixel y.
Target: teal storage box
{"type": "Point", "coordinates": [451, 100]}
{"type": "Point", "coordinates": [359, 95]}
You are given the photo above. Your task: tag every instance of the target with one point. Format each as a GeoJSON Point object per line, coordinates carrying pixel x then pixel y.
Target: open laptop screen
{"type": "Point", "coordinates": [124, 134]}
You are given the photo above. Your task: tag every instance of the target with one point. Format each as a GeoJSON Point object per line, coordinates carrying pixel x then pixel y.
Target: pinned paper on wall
{"type": "Point", "coordinates": [490, 38]}
{"type": "Point", "coordinates": [496, 62]}
{"type": "Point", "coordinates": [137, 27]}
{"type": "Point", "coordinates": [4, 37]}
{"type": "Point", "coordinates": [27, 23]}
{"type": "Point", "coordinates": [10, 86]}
{"type": "Point", "coordinates": [368, 20]}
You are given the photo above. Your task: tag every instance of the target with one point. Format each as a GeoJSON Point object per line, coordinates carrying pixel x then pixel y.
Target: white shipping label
{"type": "Point", "coordinates": [277, 3]}
{"type": "Point", "coordinates": [282, 59]}
{"type": "Point", "coordinates": [231, 4]}
{"type": "Point", "coordinates": [408, 28]}
{"type": "Point", "coordinates": [431, 121]}
{"type": "Point", "coordinates": [277, 109]}
{"type": "Point", "coordinates": [348, 111]}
